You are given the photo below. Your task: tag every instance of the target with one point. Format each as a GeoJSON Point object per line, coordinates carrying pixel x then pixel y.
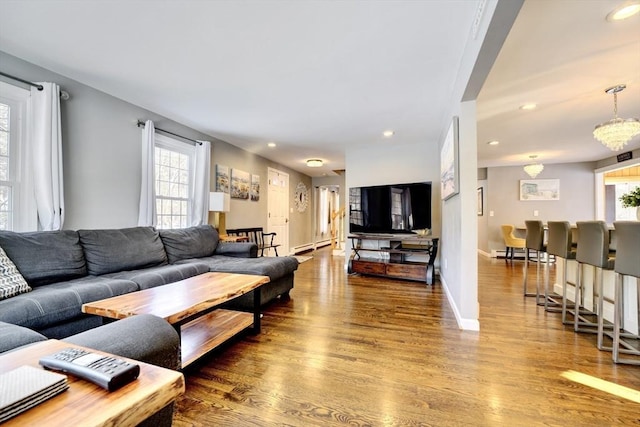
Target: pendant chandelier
{"type": "Point", "coordinates": [615, 133]}
{"type": "Point", "coordinates": [533, 169]}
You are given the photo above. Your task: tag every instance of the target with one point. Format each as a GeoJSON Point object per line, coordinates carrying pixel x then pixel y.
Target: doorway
{"type": "Point", "coordinates": [278, 208]}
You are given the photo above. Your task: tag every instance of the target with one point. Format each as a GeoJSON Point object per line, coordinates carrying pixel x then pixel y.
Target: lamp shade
{"type": "Point", "coordinates": [219, 202]}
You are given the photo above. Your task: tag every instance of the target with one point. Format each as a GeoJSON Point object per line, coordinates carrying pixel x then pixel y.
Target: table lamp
{"type": "Point", "coordinates": [219, 203]}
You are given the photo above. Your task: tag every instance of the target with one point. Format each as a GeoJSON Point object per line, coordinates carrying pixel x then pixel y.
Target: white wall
{"type": "Point", "coordinates": [577, 198]}
{"type": "Point", "coordinates": [102, 159]}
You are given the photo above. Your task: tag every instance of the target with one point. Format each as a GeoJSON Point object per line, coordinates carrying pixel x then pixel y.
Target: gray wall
{"type": "Point", "coordinates": [102, 157]}
{"type": "Point", "coordinates": [577, 199]}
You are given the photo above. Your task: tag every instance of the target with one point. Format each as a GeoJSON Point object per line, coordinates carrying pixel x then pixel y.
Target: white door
{"type": "Point", "coordinates": [278, 207]}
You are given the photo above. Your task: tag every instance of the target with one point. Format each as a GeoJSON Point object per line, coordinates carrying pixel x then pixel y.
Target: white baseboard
{"type": "Point", "coordinates": [485, 254]}
{"type": "Point", "coordinates": [464, 324]}
{"type": "Point", "coordinates": [303, 248]}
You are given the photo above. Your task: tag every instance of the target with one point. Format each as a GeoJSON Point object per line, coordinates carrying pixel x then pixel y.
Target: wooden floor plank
{"type": "Point", "coordinates": [368, 351]}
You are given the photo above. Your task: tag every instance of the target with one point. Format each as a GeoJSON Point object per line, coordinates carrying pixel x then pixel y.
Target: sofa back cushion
{"type": "Point", "coordinates": [108, 251]}
{"type": "Point", "coordinates": [192, 242]}
{"type": "Point", "coordinates": [44, 257]}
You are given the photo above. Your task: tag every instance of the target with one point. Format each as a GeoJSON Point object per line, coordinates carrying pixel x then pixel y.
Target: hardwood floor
{"type": "Point", "coordinates": [365, 351]}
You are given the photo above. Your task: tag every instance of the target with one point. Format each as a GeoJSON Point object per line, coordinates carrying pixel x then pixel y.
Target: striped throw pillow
{"type": "Point", "coordinates": [11, 281]}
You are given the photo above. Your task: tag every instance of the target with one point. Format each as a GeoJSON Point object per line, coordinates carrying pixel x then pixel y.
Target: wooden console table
{"type": "Point", "coordinates": [396, 251]}
{"type": "Point", "coordinates": [86, 404]}
{"type": "Point", "coordinates": [191, 306]}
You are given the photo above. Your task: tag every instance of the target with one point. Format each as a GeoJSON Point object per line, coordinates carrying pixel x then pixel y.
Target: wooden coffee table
{"type": "Point", "coordinates": [190, 305]}
{"type": "Point", "coordinates": [86, 404]}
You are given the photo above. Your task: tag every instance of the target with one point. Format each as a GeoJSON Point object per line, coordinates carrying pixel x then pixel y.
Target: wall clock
{"type": "Point", "coordinates": [302, 197]}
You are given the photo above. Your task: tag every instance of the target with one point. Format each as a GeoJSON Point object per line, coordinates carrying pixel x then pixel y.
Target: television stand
{"type": "Point", "coordinates": [394, 256]}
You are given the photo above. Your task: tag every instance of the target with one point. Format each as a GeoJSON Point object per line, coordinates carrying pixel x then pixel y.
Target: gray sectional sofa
{"type": "Point", "coordinates": [146, 338]}
{"type": "Point", "coordinates": [66, 269]}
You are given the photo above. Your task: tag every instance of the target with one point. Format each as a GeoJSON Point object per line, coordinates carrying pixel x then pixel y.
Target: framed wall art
{"type": "Point", "coordinates": [449, 184]}
{"type": "Point", "coordinates": [255, 187]}
{"type": "Point", "coordinates": [539, 189]}
{"type": "Point", "coordinates": [240, 184]}
{"type": "Point", "coordinates": [222, 179]}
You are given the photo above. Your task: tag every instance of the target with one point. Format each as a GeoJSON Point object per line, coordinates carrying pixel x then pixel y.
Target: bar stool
{"type": "Point", "coordinates": [558, 245]}
{"type": "Point", "coordinates": [593, 249]}
{"type": "Point", "coordinates": [510, 240]}
{"type": "Point", "coordinates": [534, 241]}
{"type": "Point", "coordinates": [627, 264]}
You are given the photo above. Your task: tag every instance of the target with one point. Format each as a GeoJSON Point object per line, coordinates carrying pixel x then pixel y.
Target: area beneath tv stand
{"type": "Point", "coordinates": [390, 256]}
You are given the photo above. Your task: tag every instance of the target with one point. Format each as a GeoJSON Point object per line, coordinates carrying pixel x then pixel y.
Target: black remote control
{"type": "Point", "coordinates": [108, 372]}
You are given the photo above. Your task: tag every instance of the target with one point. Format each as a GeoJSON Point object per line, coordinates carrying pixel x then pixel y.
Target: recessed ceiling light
{"type": "Point", "coordinates": [271, 144]}
{"type": "Point", "coordinates": [626, 10]}
{"type": "Point", "coordinates": [314, 163]}
{"type": "Point", "coordinates": [387, 133]}
{"type": "Point", "coordinates": [494, 142]}
{"type": "Point", "coordinates": [529, 106]}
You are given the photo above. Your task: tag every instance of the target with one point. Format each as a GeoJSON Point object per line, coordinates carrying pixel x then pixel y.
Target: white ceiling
{"type": "Point", "coordinates": [316, 77]}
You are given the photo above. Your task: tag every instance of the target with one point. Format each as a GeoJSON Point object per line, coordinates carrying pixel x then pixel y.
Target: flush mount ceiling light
{"type": "Point", "coordinates": [387, 133]}
{"type": "Point", "coordinates": [494, 142]}
{"type": "Point", "coordinates": [271, 144]}
{"type": "Point", "coordinates": [533, 169]}
{"type": "Point", "coordinates": [615, 133]}
{"type": "Point", "coordinates": [314, 163]}
{"type": "Point", "coordinates": [626, 10]}
{"type": "Point", "coordinates": [529, 106]}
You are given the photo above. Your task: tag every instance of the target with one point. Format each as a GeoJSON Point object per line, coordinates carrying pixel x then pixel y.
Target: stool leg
{"type": "Point", "coordinates": [578, 302]}
{"type": "Point", "coordinates": [564, 292]}
{"type": "Point", "coordinates": [600, 289]}
{"type": "Point", "coordinates": [617, 318]}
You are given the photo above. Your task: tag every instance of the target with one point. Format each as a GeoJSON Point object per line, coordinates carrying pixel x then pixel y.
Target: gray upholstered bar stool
{"type": "Point", "coordinates": [627, 264]}
{"type": "Point", "coordinates": [593, 250]}
{"type": "Point", "coordinates": [558, 245]}
{"type": "Point", "coordinates": [534, 241]}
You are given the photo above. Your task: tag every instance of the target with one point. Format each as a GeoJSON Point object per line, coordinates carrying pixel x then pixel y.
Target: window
{"type": "Point", "coordinates": [622, 213]}
{"type": "Point", "coordinates": [174, 181]}
{"type": "Point", "coordinates": [13, 106]}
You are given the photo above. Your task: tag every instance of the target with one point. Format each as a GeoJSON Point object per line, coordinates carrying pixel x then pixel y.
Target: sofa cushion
{"type": "Point", "coordinates": [161, 275]}
{"type": "Point", "coordinates": [274, 267]}
{"type": "Point", "coordinates": [108, 251]}
{"type": "Point", "coordinates": [60, 302]}
{"type": "Point", "coordinates": [13, 336]}
{"type": "Point", "coordinates": [11, 281]}
{"type": "Point", "coordinates": [193, 242]}
{"type": "Point", "coordinates": [45, 256]}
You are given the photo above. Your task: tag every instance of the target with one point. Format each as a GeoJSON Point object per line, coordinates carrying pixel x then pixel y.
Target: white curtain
{"type": "Point", "coordinates": [147, 211]}
{"type": "Point", "coordinates": [200, 198]}
{"type": "Point", "coordinates": [323, 211]}
{"type": "Point", "coordinates": [46, 150]}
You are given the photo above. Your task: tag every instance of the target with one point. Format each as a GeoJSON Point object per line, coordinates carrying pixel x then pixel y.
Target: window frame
{"type": "Point", "coordinates": [170, 144]}
{"type": "Point", "coordinates": [23, 207]}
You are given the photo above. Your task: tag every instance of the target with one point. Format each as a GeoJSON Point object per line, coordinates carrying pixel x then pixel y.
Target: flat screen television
{"type": "Point", "coordinates": [390, 209]}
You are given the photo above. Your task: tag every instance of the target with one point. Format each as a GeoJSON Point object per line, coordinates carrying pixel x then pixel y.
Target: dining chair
{"type": "Point", "coordinates": [511, 242]}
{"type": "Point", "coordinates": [593, 250]}
{"type": "Point", "coordinates": [627, 266]}
{"type": "Point", "coordinates": [534, 241]}
{"type": "Point", "coordinates": [559, 245]}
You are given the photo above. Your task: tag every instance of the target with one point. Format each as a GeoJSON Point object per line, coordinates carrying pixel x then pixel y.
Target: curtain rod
{"type": "Point", "coordinates": [39, 87]}
{"type": "Point", "coordinates": [171, 133]}
{"type": "Point", "coordinates": [64, 95]}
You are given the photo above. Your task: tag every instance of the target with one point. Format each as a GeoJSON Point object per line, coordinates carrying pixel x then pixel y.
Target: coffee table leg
{"type": "Point", "coordinates": [256, 309]}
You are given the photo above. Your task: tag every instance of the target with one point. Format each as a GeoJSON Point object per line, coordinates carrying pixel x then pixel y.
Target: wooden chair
{"type": "Point", "coordinates": [265, 241]}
